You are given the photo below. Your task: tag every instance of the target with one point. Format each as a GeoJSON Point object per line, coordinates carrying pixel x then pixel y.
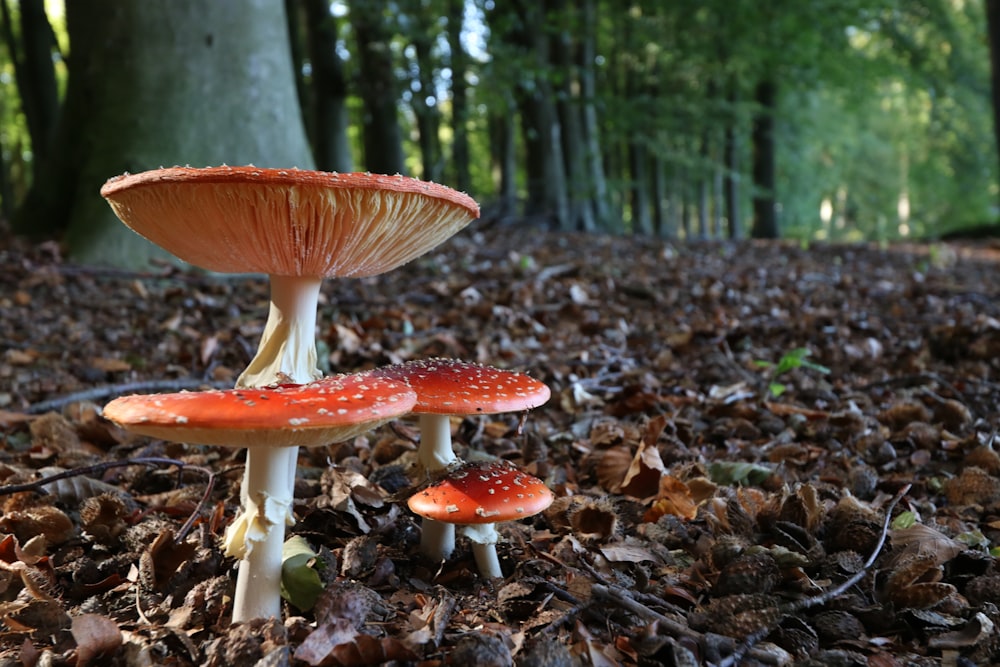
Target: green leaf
{"type": "Point", "coordinates": [904, 520]}
{"type": "Point", "coordinates": [300, 582]}
{"type": "Point", "coordinates": [973, 538]}
{"type": "Point", "coordinates": [731, 473]}
{"type": "Point", "coordinates": [776, 388]}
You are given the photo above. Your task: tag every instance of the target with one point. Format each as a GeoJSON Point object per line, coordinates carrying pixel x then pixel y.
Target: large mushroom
{"type": "Point", "coordinates": [329, 410]}
{"type": "Point", "coordinates": [477, 496]}
{"type": "Point", "coordinates": [450, 387]}
{"type": "Point", "coordinates": [298, 227]}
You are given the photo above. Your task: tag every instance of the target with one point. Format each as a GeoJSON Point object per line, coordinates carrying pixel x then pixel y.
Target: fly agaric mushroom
{"type": "Point", "coordinates": [296, 226]}
{"type": "Point", "coordinates": [448, 387]}
{"type": "Point", "coordinates": [477, 496]}
{"type": "Point", "coordinates": [332, 409]}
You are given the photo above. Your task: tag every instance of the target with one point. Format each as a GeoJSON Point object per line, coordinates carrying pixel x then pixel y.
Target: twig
{"type": "Point", "coordinates": [108, 465]}
{"type": "Point", "coordinates": [145, 386]}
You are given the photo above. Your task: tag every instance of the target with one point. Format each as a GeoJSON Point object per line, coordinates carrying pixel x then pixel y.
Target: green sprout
{"type": "Point", "coordinates": [791, 360]}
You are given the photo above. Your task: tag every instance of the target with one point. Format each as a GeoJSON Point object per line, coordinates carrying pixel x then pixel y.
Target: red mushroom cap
{"type": "Point", "coordinates": [482, 492]}
{"type": "Point", "coordinates": [329, 410]}
{"type": "Point", "coordinates": [452, 387]}
{"type": "Point", "coordinates": [290, 222]}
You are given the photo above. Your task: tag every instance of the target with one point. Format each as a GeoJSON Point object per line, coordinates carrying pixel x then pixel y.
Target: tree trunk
{"type": "Point", "coordinates": [587, 56]}
{"type": "Point", "coordinates": [35, 73]}
{"type": "Point", "coordinates": [423, 98]}
{"type": "Point", "coordinates": [460, 155]}
{"type": "Point", "coordinates": [503, 153]}
{"type": "Point", "coordinates": [765, 224]}
{"type": "Point", "coordinates": [639, 189]}
{"type": "Point", "coordinates": [579, 191]}
{"type": "Point", "coordinates": [383, 141]}
{"type": "Point", "coordinates": [162, 82]}
{"type": "Point", "coordinates": [993, 32]}
{"type": "Point", "coordinates": [540, 123]}
{"type": "Point", "coordinates": [732, 179]}
{"type": "Point", "coordinates": [327, 100]}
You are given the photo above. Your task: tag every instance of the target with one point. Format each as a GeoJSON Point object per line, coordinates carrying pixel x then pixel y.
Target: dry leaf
{"type": "Point", "coordinates": [673, 497]}
{"type": "Point", "coordinates": [96, 636]}
{"type": "Point", "coordinates": [642, 480]}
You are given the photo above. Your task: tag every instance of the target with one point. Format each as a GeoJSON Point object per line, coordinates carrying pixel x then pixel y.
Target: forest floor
{"type": "Point", "coordinates": [786, 452]}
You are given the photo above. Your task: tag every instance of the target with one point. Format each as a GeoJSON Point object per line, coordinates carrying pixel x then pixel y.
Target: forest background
{"type": "Point", "coordinates": [840, 120]}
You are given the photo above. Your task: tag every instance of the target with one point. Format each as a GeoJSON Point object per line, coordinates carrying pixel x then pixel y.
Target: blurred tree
{"type": "Point", "coordinates": [460, 156]}
{"type": "Point", "coordinates": [34, 70]}
{"type": "Point", "coordinates": [326, 107]}
{"type": "Point", "coordinates": [155, 83]}
{"type": "Point", "coordinates": [422, 29]}
{"type": "Point", "coordinates": [382, 136]}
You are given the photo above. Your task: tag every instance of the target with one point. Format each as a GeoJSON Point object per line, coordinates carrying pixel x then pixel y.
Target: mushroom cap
{"type": "Point", "coordinates": [290, 222]}
{"type": "Point", "coordinates": [329, 410]}
{"type": "Point", "coordinates": [453, 387]}
{"type": "Point", "coordinates": [482, 492]}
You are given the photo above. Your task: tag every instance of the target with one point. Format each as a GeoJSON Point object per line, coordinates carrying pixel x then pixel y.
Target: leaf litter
{"type": "Point", "coordinates": [762, 454]}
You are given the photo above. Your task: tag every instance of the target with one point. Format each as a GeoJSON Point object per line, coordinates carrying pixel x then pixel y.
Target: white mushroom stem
{"type": "Point", "coordinates": [437, 539]}
{"type": "Point", "coordinates": [435, 453]}
{"type": "Point", "coordinates": [484, 538]}
{"type": "Point", "coordinates": [258, 533]}
{"type": "Point", "coordinates": [287, 350]}
{"type": "Point", "coordinates": [286, 354]}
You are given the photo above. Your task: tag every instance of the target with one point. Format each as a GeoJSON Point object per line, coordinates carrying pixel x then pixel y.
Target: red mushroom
{"type": "Point", "coordinates": [296, 226]}
{"type": "Point", "coordinates": [479, 495]}
{"type": "Point", "coordinates": [448, 387]}
{"type": "Point", "coordinates": [330, 410]}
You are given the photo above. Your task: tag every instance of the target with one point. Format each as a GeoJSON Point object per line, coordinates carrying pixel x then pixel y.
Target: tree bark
{"type": "Point", "coordinates": [162, 82]}
{"type": "Point", "coordinates": [503, 158]}
{"type": "Point", "coordinates": [568, 107]}
{"type": "Point", "coordinates": [731, 184]}
{"type": "Point", "coordinates": [540, 123]}
{"type": "Point", "coordinates": [765, 224]}
{"type": "Point", "coordinates": [423, 100]}
{"type": "Point", "coordinates": [993, 34]}
{"type": "Point", "coordinates": [460, 153]}
{"type": "Point", "coordinates": [327, 114]}
{"type": "Point", "coordinates": [586, 59]}
{"type": "Point", "coordinates": [35, 73]}
{"type": "Point", "coordinates": [382, 137]}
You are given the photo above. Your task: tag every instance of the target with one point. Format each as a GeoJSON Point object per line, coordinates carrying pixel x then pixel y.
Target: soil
{"type": "Point", "coordinates": [762, 453]}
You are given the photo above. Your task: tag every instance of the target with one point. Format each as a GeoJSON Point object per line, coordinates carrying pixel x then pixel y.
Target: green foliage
{"type": "Point", "coordinates": [737, 473]}
{"type": "Point", "coordinates": [301, 584]}
{"type": "Point", "coordinates": [791, 360]}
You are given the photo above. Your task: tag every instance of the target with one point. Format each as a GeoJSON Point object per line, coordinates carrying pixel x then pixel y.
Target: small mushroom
{"type": "Point", "coordinates": [329, 410]}
{"type": "Point", "coordinates": [477, 496]}
{"type": "Point", "coordinates": [448, 387]}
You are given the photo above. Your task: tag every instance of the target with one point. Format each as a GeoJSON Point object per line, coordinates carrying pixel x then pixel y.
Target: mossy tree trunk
{"type": "Point", "coordinates": [159, 83]}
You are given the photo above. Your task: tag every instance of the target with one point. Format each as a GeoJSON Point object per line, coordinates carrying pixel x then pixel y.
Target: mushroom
{"type": "Point", "coordinates": [298, 227]}
{"type": "Point", "coordinates": [477, 496]}
{"type": "Point", "coordinates": [448, 387]}
{"type": "Point", "coordinates": [329, 410]}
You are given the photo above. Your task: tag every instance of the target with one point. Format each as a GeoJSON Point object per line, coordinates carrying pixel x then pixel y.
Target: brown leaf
{"type": "Point", "coordinates": [95, 636]}
{"type": "Point", "coordinates": [673, 497]}
{"type": "Point", "coordinates": [168, 556]}
{"type": "Point", "coordinates": [642, 480]}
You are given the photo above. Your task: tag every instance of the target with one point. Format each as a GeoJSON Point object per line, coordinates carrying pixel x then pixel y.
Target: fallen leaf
{"type": "Point", "coordinates": [96, 636]}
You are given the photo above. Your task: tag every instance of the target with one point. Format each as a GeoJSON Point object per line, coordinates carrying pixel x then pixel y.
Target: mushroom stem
{"type": "Point", "coordinates": [258, 534]}
{"type": "Point", "coordinates": [287, 350]}
{"type": "Point", "coordinates": [484, 539]}
{"type": "Point", "coordinates": [435, 452]}
{"type": "Point", "coordinates": [437, 539]}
